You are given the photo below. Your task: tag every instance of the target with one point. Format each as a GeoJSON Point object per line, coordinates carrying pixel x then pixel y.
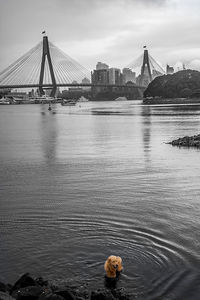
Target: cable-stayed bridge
{"type": "Point", "coordinates": [46, 66]}
{"type": "Point", "coordinates": [147, 66]}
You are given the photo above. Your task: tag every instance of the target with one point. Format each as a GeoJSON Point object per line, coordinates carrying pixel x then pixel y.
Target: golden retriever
{"type": "Point", "coordinates": [113, 265]}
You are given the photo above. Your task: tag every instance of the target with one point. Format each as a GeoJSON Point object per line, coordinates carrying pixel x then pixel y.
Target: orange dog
{"type": "Point", "coordinates": [113, 265]}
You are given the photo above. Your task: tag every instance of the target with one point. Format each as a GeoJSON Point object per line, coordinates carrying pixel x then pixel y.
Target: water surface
{"type": "Point", "coordinates": [81, 183]}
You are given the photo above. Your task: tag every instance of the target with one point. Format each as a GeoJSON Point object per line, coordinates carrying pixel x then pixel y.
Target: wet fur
{"type": "Point", "coordinates": [113, 265]}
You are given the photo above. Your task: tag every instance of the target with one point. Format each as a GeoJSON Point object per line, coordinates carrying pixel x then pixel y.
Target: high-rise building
{"type": "Point", "coordinates": [105, 75]}
{"type": "Point", "coordinates": [128, 75]}
{"type": "Point", "coordinates": [100, 76]}
{"type": "Point", "coordinates": [101, 66]}
{"type": "Point", "coordinates": [114, 76]}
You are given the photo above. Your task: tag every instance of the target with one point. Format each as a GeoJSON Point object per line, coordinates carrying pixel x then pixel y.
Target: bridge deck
{"type": "Point", "coordinates": [68, 85]}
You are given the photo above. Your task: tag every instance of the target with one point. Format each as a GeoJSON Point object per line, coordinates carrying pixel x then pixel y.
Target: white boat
{"type": "Point", "coordinates": [68, 102]}
{"type": "Point", "coordinates": [4, 101]}
{"type": "Point", "coordinates": [121, 99]}
{"type": "Point", "coordinates": [83, 99]}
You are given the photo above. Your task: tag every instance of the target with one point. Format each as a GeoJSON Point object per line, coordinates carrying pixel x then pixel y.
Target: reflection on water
{"type": "Point", "coordinates": [146, 131]}
{"type": "Point", "coordinates": [48, 131]}
{"type": "Point", "coordinates": [81, 183]}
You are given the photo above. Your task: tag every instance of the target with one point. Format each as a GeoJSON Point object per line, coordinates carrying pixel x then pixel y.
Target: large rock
{"type": "Point", "coordinates": [50, 296]}
{"type": "Point", "coordinates": [3, 287]}
{"type": "Point", "coordinates": [120, 294]}
{"type": "Point", "coordinates": [102, 294]}
{"type": "Point", "coordinates": [24, 281]}
{"type": "Point", "coordinates": [66, 294]}
{"type": "Point", "coordinates": [5, 296]}
{"type": "Point", "coordinates": [29, 293]}
{"type": "Point", "coordinates": [40, 281]}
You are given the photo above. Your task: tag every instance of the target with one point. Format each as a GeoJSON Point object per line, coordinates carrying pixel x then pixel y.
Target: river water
{"type": "Point", "coordinates": [78, 184]}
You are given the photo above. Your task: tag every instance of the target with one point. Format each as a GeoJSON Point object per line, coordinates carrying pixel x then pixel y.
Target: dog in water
{"type": "Point", "coordinates": [113, 265]}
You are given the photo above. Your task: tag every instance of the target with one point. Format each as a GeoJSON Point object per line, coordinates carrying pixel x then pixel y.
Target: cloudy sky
{"type": "Point", "coordinates": [112, 31]}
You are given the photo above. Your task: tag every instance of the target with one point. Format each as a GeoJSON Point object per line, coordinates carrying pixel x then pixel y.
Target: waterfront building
{"type": "Point", "coordinates": [128, 75]}
{"type": "Point", "coordinates": [100, 76]}
{"type": "Point", "coordinates": [101, 66]}
{"type": "Point", "coordinates": [114, 76]}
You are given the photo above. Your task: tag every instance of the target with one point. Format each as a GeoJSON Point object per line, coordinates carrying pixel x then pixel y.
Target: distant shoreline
{"type": "Point", "coordinates": [171, 101]}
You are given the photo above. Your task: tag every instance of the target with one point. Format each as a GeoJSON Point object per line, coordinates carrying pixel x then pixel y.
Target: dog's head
{"type": "Point", "coordinates": [114, 262]}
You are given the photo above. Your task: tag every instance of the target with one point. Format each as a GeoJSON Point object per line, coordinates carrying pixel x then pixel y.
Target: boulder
{"type": "Point", "coordinates": [5, 296]}
{"type": "Point", "coordinates": [40, 281]}
{"type": "Point", "coordinates": [29, 293]}
{"type": "Point", "coordinates": [50, 296]}
{"type": "Point", "coordinates": [66, 294]}
{"type": "Point", "coordinates": [3, 287]}
{"type": "Point", "coordinates": [102, 294]}
{"type": "Point", "coordinates": [120, 294]}
{"type": "Point", "coordinates": [24, 281]}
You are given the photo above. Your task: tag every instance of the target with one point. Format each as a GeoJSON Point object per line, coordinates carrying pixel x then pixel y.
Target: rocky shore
{"type": "Point", "coordinates": [187, 141]}
{"type": "Point", "coordinates": [29, 288]}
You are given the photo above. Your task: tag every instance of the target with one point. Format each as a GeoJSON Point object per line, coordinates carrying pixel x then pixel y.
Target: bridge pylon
{"type": "Point", "coordinates": [146, 75]}
{"type": "Point", "coordinates": [46, 54]}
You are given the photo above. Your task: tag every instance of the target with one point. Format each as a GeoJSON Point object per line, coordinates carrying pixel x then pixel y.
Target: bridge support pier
{"type": "Point", "coordinates": [146, 76]}
{"type": "Point", "coordinates": [46, 54]}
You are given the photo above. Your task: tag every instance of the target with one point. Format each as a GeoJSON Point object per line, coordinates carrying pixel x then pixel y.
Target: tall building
{"type": "Point", "coordinates": [101, 66]}
{"type": "Point", "coordinates": [114, 76]}
{"type": "Point", "coordinates": [105, 75]}
{"type": "Point", "coordinates": [100, 76]}
{"type": "Point", "coordinates": [169, 70]}
{"type": "Point", "coordinates": [128, 75]}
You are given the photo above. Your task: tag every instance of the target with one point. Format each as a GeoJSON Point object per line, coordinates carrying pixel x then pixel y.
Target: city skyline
{"type": "Point", "coordinates": [113, 32]}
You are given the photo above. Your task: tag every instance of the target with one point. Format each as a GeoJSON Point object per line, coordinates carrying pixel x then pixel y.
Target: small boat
{"type": "Point", "coordinates": [68, 102]}
{"type": "Point", "coordinates": [83, 99]}
{"type": "Point", "coordinates": [121, 99]}
{"type": "Point", "coordinates": [4, 101]}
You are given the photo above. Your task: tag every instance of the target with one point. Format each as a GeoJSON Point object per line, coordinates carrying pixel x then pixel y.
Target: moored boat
{"type": "Point", "coordinates": [4, 101]}
{"type": "Point", "coordinates": [82, 99]}
{"type": "Point", "coordinates": [68, 102]}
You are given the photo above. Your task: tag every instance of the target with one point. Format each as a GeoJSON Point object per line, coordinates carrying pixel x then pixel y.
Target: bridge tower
{"type": "Point", "coordinates": [146, 75]}
{"type": "Point", "coordinates": [46, 54]}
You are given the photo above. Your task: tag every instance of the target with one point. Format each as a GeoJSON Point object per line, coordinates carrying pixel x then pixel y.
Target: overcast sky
{"type": "Point", "coordinates": [112, 31]}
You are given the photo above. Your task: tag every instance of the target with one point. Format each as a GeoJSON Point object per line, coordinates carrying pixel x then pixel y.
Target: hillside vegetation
{"type": "Point", "coordinates": [182, 84]}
